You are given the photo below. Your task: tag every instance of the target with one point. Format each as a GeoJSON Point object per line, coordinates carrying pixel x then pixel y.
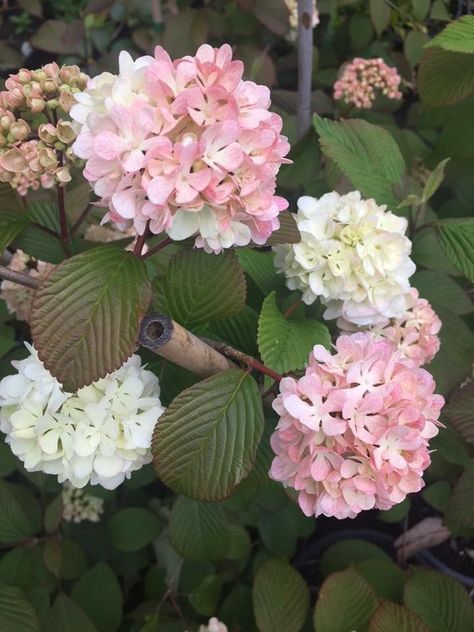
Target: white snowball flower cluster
{"type": "Point", "coordinates": [79, 506]}
{"type": "Point", "coordinates": [353, 254]}
{"type": "Point", "coordinates": [99, 435]}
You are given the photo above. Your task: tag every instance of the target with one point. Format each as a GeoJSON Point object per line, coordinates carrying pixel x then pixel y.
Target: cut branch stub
{"type": "Point", "coordinates": [165, 337]}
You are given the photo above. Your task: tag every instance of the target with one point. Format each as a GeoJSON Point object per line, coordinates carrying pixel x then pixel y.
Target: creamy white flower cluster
{"type": "Point", "coordinates": [353, 254]}
{"type": "Point", "coordinates": [99, 435]}
{"type": "Point", "coordinates": [79, 506]}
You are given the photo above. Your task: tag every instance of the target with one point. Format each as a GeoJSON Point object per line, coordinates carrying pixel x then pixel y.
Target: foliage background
{"type": "Point", "coordinates": [160, 562]}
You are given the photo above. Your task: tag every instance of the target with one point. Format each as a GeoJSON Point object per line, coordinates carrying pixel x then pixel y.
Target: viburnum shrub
{"type": "Point", "coordinates": [212, 344]}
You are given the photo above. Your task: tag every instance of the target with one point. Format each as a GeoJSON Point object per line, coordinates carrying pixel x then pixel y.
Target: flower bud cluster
{"type": "Point", "coordinates": [362, 79]}
{"type": "Point", "coordinates": [79, 506]}
{"type": "Point", "coordinates": [34, 152]}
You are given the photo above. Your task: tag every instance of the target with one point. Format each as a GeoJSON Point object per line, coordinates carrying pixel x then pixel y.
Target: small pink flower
{"type": "Point", "coordinates": [353, 431]}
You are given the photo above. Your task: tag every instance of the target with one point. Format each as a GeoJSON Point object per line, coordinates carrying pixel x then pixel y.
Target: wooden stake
{"type": "Point", "coordinates": [168, 339]}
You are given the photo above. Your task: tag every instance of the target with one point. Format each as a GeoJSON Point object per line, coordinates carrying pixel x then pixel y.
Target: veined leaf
{"type": "Point", "coordinates": [206, 441]}
{"type": "Point", "coordinates": [456, 237]}
{"type": "Point", "coordinates": [457, 37]}
{"type": "Point", "coordinates": [16, 613]}
{"type": "Point", "coordinates": [285, 343]}
{"type": "Point", "coordinates": [459, 411]}
{"type": "Point", "coordinates": [445, 77]}
{"type": "Point", "coordinates": [99, 594]}
{"type": "Point", "coordinates": [352, 611]}
{"type": "Point", "coordinates": [280, 598]}
{"type": "Point", "coordinates": [85, 315]}
{"type": "Point", "coordinates": [390, 617]}
{"type": "Point", "coordinates": [198, 531]}
{"type": "Point", "coordinates": [197, 287]}
{"type": "Point", "coordinates": [440, 601]}
{"type": "Point", "coordinates": [367, 154]}
{"type": "Point", "coordinates": [11, 225]}
{"type": "Point", "coordinates": [460, 512]}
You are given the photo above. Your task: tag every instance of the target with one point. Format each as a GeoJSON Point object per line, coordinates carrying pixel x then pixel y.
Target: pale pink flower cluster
{"type": "Point", "coordinates": [186, 147]}
{"type": "Point", "coordinates": [18, 298]}
{"type": "Point", "coordinates": [362, 79]}
{"type": "Point", "coordinates": [353, 431]}
{"type": "Point", "coordinates": [414, 333]}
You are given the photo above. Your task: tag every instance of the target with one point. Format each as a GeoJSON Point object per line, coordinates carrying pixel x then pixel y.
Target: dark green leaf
{"type": "Point", "coordinates": [204, 597]}
{"type": "Point", "coordinates": [444, 77]}
{"type": "Point", "coordinates": [280, 598]}
{"type": "Point", "coordinates": [86, 314]}
{"type": "Point", "coordinates": [440, 288]}
{"type": "Point", "coordinates": [437, 495]}
{"type": "Point", "coordinates": [16, 613]}
{"type": "Point", "coordinates": [392, 618]}
{"type": "Point", "coordinates": [288, 232]}
{"type": "Point", "coordinates": [341, 555]}
{"type": "Point", "coordinates": [66, 616]}
{"type": "Point", "coordinates": [459, 411]}
{"type": "Point", "coordinates": [20, 517]}
{"type": "Point", "coordinates": [460, 511]}
{"type": "Point", "coordinates": [99, 595]}
{"type": "Point", "coordinates": [380, 15]}
{"type": "Point", "coordinates": [197, 288]}
{"type": "Point", "coordinates": [133, 528]}
{"type": "Point", "coordinates": [440, 601]}
{"type": "Point", "coordinates": [11, 225]}
{"type": "Point", "coordinates": [456, 237]}
{"type": "Point", "coordinates": [206, 441]}
{"type": "Point", "coordinates": [345, 603]}
{"type": "Point", "coordinates": [198, 531]}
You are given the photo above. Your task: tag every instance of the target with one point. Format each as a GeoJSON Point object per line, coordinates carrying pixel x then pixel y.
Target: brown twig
{"type": "Point", "coordinates": [80, 219]}
{"type": "Point", "coordinates": [63, 219]}
{"type": "Point", "coordinates": [157, 248]}
{"type": "Point", "coordinates": [243, 358]}
{"type": "Point", "coordinates": [18, 277]}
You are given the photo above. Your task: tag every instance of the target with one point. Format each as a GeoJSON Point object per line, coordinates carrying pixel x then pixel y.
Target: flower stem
{"type": "Point", "coordinates": [80, 219]}
{"type": "Point", "coordinates": [157, 248]}
{"type": "Point", "coordinates": [63, 220]}
{"type": "Point", "coordinates": [141, 239]}
{"type": "Point", "coordinates": [18, 277]}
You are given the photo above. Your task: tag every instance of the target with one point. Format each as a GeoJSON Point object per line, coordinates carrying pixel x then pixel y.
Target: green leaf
{"type": "Point", "coordinates": [341, 555]}
{"type": "Point", "coordinates": [280, 598]}
{"type": "Point", "coordinates": [239, 331]}
{"type": "Point", "coordinates": [437, 495]}
{"type": "Point", "coordinates": [204, 597]}
{"type": "Point", "coordinates": [451, 447]}
{"type": "Point", "coordinates": [380, 15]}
{"type": "Point", "coordinates": [16, 613]}
{"type": "Point", "coordinates": [457, 37]}
{"type": "Point", "coordinates": [57, 36]}
{"type": "Point", "coordinates": [20, 516]}
{"type": "Point", "coordinates": [413, 47]}
{"type": "Point", "coordinates": [385, 577]}
{"type": "Point", "coordinates": [421, 8]}
{"type": "Point", "coordinates": [427, 254]}
{"type": "Point", "coordinates": [11, 224]}
{"type": "Point", "coordinates": [288, 233]}
{"type": "Point", "coordinates": [439, 288]}
{"type": "Point", "coordinates": [345, 603]}
{"type": "Point", "coordinates": [197, 288]}
{"type": "Point", "coordinates": [367, 154]}
{"type": "Point", "coordinates": [392, 618]}
{"type": "Point", "coordinates": [285, 343]}
{"type": "Point", "coordinates": [25, 569]}
{"type": "Point", "coordinates": [456, 237]}
{"type": "Point", "coordinates": [460, 511]}
{"type": "Point", "coordinates": [459, 411]}
{"type": "Point", "coordinates": [206, 441]}
{"type": "Point", "coordinates": [396, 513]}
{"type": "Point", "coordinates": [198, 531]}
{"type": "Point", "coordinates": [66, 616]}
{"type": "Point", "coordinates": [435, 180]}
{"type": "Point", "coordinates": [98, 593]}
{"type": "Point", "coordinates": [64, 558]}
{"type": "Point", "coordinates": [53, 514]}
{"type": "Point", "coordinates": [454, 360]}
{"type": "Point", "coordinates": [36, 242]}
{"type": "Point", "coordinates": [85, 315]}
{"type": "Point", "coordinates": [239, 543]}
{"type": "Point", "coordinates": [445, 77]}
{"type": "Point", "coordinates": [440, 601]}
{"type": "Point", "coordinates": [132, 528]}
{"type": "Point", "coordinates": [259, 266]}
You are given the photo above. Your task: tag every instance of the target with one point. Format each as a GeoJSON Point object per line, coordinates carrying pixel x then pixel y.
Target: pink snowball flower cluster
{"type": "Point", "coordinates": [185, 147]}
{"type": "Point", "coordinates": [361, 79]}
{"type": "Point", "coordinates": [414, 332]}
{"type": "Point", "coordinates": [353, 431]}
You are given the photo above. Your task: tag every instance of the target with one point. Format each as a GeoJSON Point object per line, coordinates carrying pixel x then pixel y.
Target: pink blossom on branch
{"type": "Point", "coordinates": [353, 431]}
{"type": "Point", "coordinates": [362, 79]}
{"type": "Point", "coordinates": [414, 332]}
{"type": "Point", "coordinates": [186, 145]}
